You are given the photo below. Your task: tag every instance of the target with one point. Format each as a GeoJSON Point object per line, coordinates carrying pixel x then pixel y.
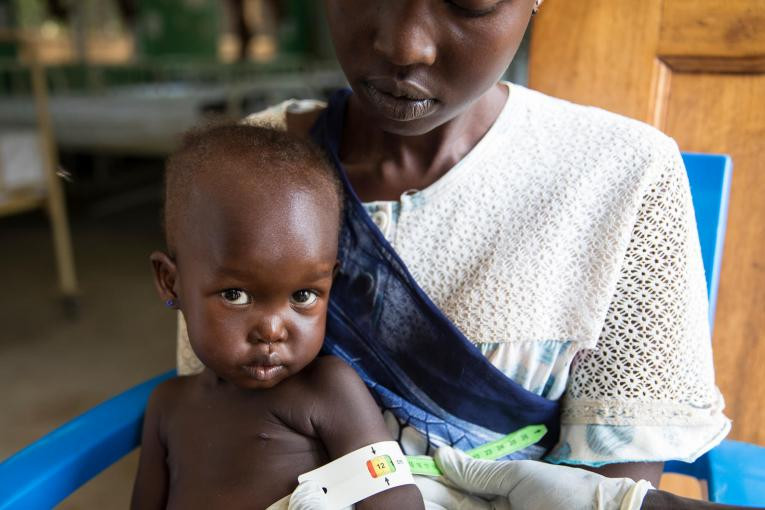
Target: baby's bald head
{"type": "Point", "coordinates": [229, 160]}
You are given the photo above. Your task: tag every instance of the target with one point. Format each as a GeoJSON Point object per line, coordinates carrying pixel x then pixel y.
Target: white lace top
{"type": "Point", "coordinates": [564, 245]}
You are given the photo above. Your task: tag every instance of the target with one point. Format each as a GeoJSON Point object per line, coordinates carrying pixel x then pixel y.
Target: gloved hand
{"type": "Point", "coordinates": [306, 496]}
{"type": "Point", "coordinates": [531, 485]}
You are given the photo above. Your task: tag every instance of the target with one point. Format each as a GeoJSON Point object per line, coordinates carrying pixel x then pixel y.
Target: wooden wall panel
{"type": "Point", "coordinates": [732, 28]}
{"type": "Point", "coordinates": [589, 52]}
{"type": "Point", "coordinates": [726, 113]}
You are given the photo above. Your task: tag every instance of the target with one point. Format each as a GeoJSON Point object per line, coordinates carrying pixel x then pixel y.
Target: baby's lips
{"type": "Point", "coordinates": [266, 359]}
{"type": "Point", "coordinates": [274, 358]}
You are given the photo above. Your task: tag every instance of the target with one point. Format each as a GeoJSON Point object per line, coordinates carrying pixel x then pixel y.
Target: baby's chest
{"type": "Point", "coordinates": [218, 459]}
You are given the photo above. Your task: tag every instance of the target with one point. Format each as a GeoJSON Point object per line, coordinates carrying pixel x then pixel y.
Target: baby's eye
{"type": "Point", "coordinates": [236, 296]}
{"type": "Point", "coordinates": [304, 298]}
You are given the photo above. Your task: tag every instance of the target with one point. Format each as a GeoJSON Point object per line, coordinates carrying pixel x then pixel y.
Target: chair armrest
{"type": "Point", "coordinates": [734, 471]}
{"type": "Point", "coordinates": [737, 474]}
{"type": "Point", "coordinates": [50, 469]}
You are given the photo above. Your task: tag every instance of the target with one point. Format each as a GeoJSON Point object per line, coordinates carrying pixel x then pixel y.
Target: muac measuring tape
{"type": "Point", "coordinates": [511, 443]}
{"type": "Point", "coordinates": [381, 466]}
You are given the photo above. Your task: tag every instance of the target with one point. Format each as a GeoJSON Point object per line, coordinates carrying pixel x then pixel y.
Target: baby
{"type": "Point", "coordinates": [252, 219]}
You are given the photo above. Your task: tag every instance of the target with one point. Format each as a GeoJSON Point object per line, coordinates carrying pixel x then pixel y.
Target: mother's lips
{"type": "Point", "coordinates": [402, 89]}
{"type": "Point", "coordinates": [398, 100]}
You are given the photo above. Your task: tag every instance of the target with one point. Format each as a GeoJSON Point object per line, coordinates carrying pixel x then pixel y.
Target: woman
{"type": "Point", "coordinates": [558, 239]}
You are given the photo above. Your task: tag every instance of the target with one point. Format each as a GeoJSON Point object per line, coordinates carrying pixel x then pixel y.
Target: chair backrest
{"type": "Point", "coordinates": [709, 176]}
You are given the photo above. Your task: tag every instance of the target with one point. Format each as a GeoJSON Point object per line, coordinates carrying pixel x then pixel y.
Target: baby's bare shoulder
{"type": "Point", "coordinates": [326, 384]}
{"type": "Point", "coordinates": [333, 385]}
{"type": "Point", "coordinates": [331, 373]}
{"type": "Point", "coordinates": [168, 394]}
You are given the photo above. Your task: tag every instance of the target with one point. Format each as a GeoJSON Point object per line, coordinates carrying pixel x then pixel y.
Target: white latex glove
{"type": "Point", "coordinates": [439, 495]}
{"type": "Point", "coordinates": [306, 496]}
{"type": "Point", "coordinates": [532, 485]}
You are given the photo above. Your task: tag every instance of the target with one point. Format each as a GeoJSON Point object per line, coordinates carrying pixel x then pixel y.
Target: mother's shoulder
{"type": "Point", "coordinates": [296, 116]}
{"type": "Point", "coordinates": [579, 125]}
{"type": "Point", "coordinates": [588, 142]}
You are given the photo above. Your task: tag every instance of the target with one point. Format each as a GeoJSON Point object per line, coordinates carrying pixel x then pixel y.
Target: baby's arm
{"type": "Point", "coordinates": [348, 420]}
{"type": "Point", "coordinates": [151, 483]}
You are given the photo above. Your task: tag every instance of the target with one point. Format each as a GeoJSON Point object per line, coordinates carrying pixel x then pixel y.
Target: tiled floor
{"type": "Point", "coordinates": [53, 368]}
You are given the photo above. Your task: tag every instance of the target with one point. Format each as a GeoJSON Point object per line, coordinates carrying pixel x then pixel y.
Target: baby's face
{"type": "Point", "coordinates": [253, 281]}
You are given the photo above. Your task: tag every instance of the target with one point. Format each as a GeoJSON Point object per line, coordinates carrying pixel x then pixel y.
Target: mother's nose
{"type": "Point", "coordinates": [404, 32]}
{"type": "Point", "coordinates": [268, 328]}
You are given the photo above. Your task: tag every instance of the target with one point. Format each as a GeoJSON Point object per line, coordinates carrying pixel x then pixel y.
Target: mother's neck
{"type": "Point", "coordinates": [382, 165]}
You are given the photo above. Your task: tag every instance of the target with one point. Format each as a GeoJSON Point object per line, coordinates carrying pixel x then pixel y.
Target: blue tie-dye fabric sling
{"type": "Point", "coordinates": [415, 361]}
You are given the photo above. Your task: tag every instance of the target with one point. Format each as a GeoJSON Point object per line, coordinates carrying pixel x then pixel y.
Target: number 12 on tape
{"type": "Point", "coordinates": [360, 474]}
{"type": "Point", "coordinates": [380, 466]}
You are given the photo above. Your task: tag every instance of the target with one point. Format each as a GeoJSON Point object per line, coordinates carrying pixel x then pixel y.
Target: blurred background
{"type": "Point", "coordinates": [93, 95]}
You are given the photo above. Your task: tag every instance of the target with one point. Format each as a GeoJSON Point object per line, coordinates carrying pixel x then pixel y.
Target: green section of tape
{"type": "Point", "coordinates": [518, 440]}
{"type": "Point", "coordinates": [423, 465]}
{"type": "Point", "coordinates": [513, 442]}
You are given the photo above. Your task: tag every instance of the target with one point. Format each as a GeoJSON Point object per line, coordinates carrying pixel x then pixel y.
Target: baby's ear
{"type": "Point", "coordinates": [165, 275]}
{"type": "Point", "coordinates": [335, 269]}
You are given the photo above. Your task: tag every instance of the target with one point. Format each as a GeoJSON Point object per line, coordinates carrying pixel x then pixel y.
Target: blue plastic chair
{"type": "Point", "coordinates": [46, 472]}
{"type": "Point", "coordinates": [734, 471]}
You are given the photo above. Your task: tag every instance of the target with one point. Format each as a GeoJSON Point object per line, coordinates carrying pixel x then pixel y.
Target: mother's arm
{"type": "Point", "coordinates": [654, 499]}
{"type": "Point", "coordinates": [650, 471]}
{"type": "Point", "coordinates": [638, 395]}
{"type": "Point", "coordinates": [660, 500]}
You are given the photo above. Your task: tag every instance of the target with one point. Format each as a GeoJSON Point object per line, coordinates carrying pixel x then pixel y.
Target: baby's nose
{"type": "Point", "coordinates": [269, 329]}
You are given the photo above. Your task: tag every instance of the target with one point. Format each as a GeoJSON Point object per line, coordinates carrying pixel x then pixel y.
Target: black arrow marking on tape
{"type": "Point", "coordinates": [387, 481]}
{"type": "Point", "coordinates": [373, 450]}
